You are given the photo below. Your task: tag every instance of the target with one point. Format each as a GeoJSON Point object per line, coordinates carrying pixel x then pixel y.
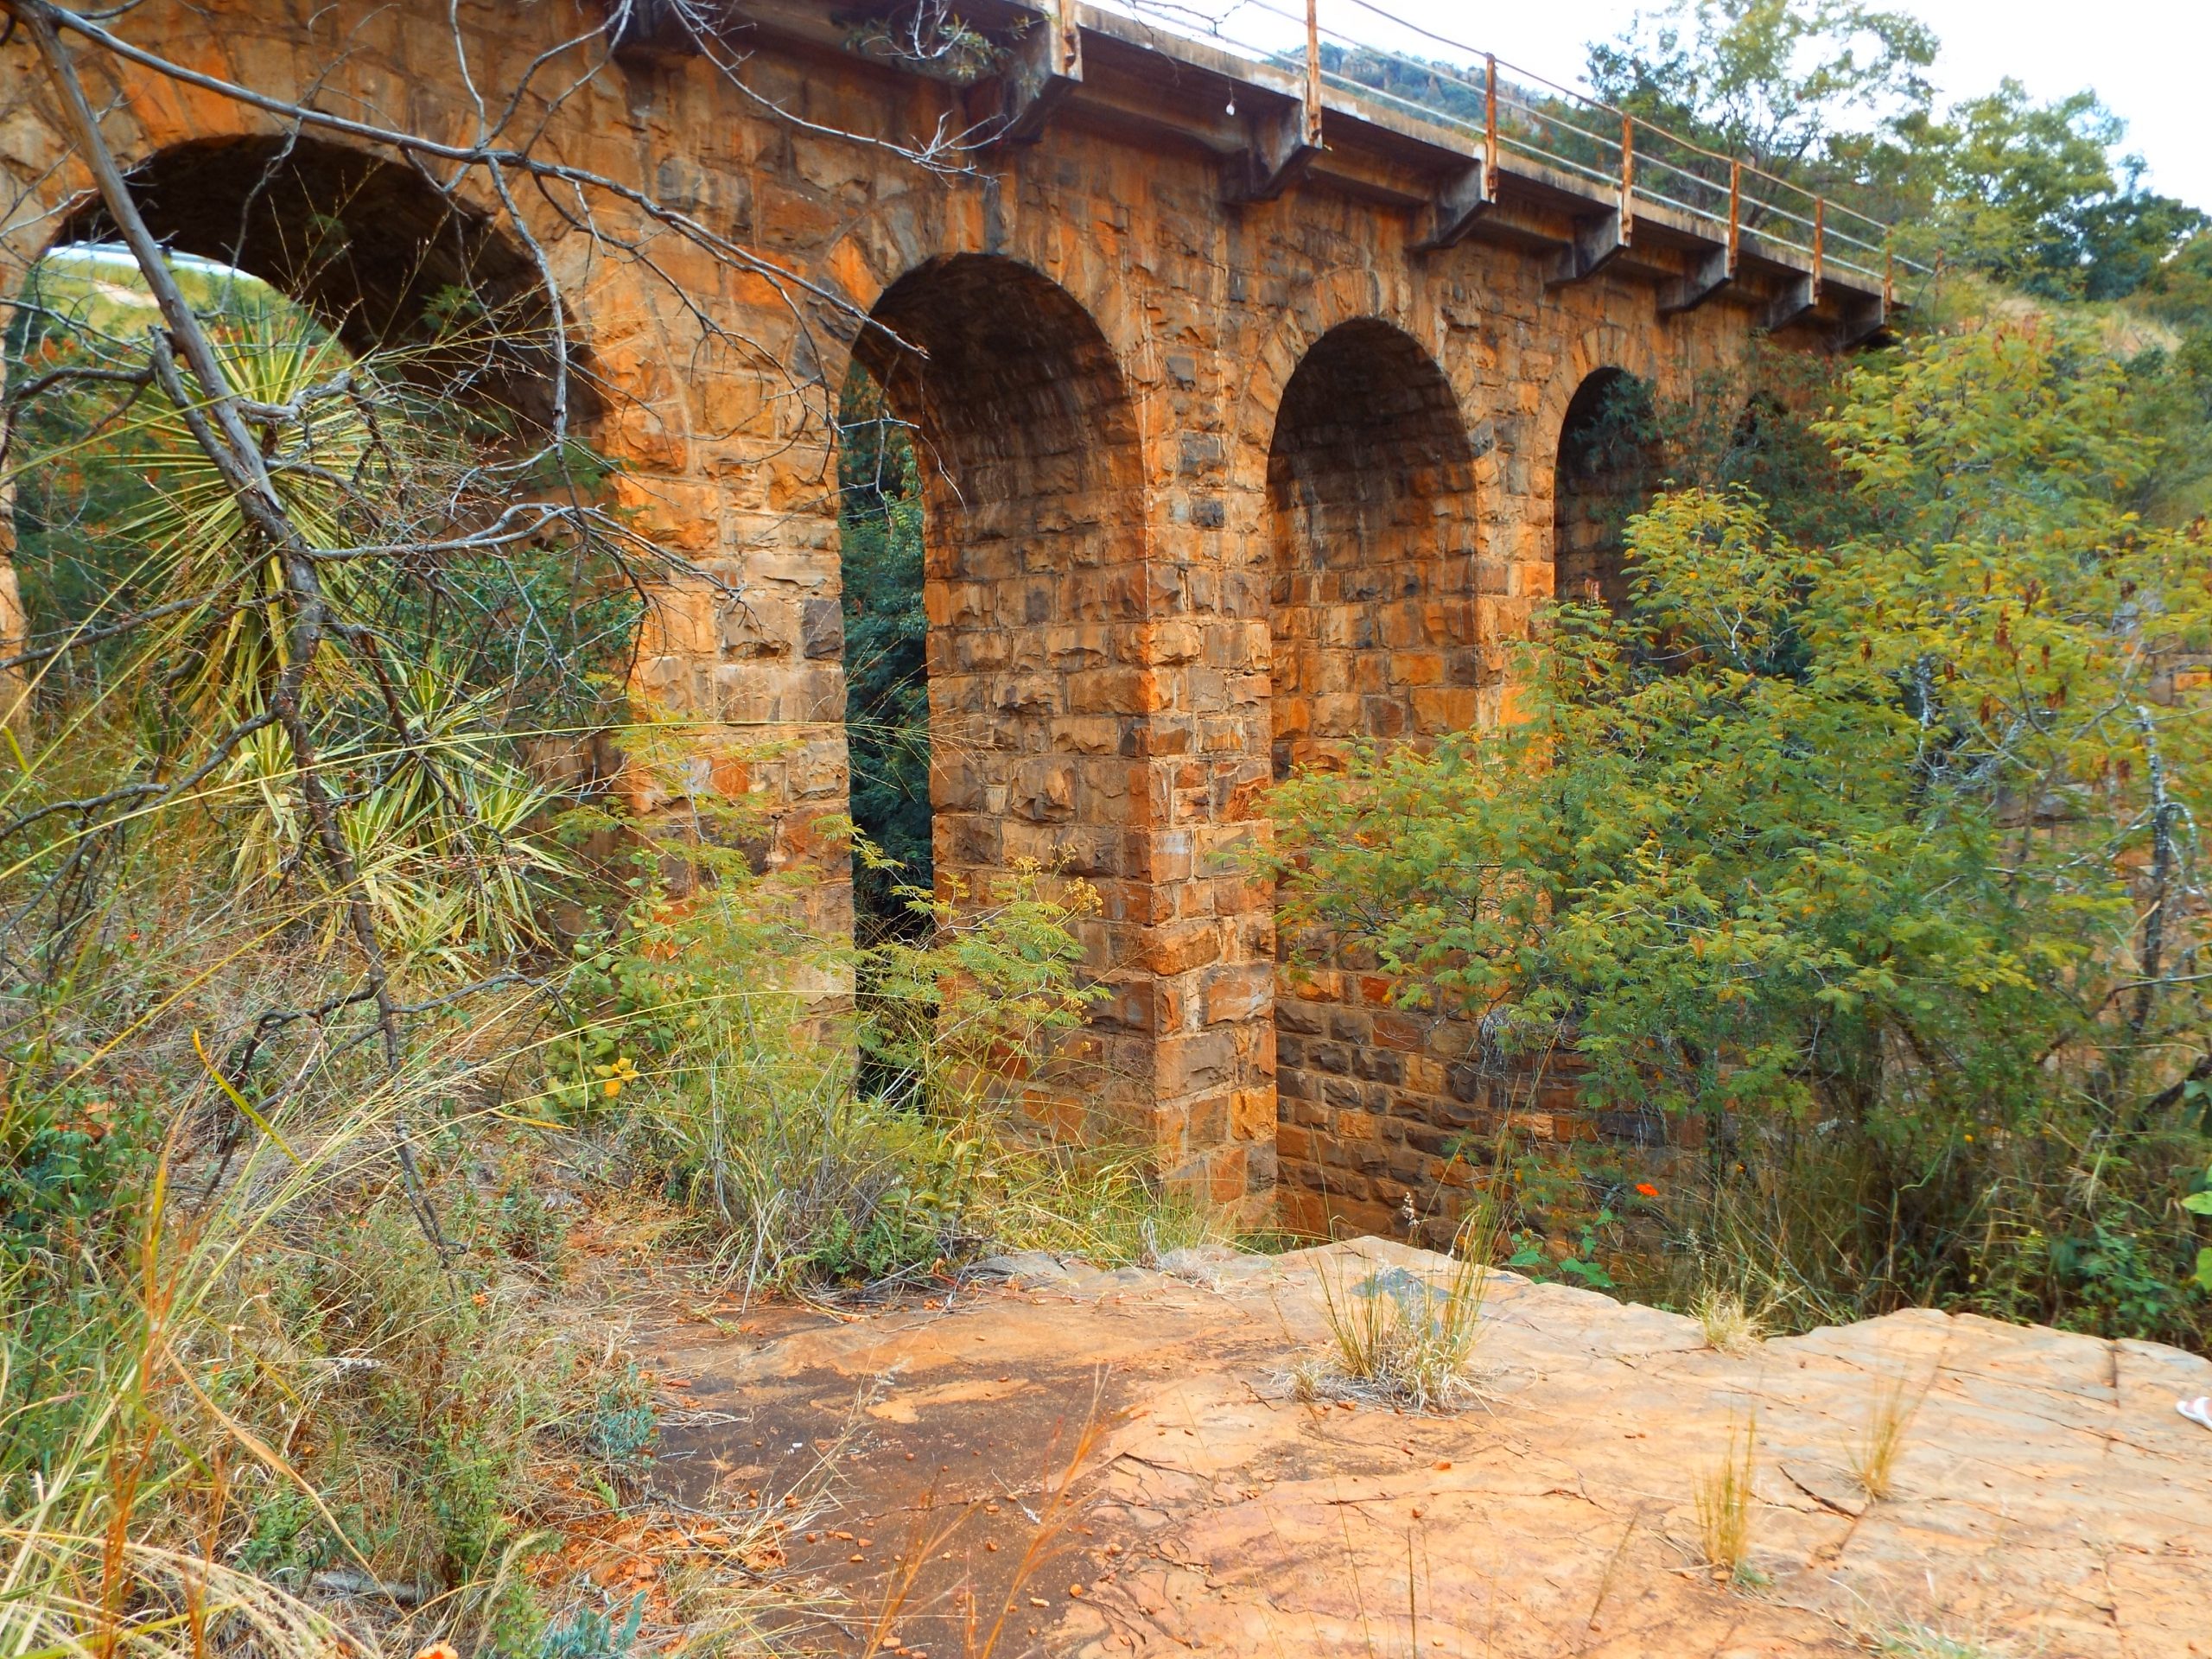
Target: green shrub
{"type": "Point", "coordinates": [74, 1156]}
{"type": "Point", "coordinates": [1872, 855]}
{"type": "Point", "coordinates": [587, 1633]}
{"type": "Point", "coordinates": [622, 1424]}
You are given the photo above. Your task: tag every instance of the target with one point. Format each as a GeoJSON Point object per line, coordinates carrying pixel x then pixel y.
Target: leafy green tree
{"type": "Point", "coordinates": [2033, 194]}
{"type": "Point", "coordinates": [1882, 841]}
{"type": "Point", "coordinates": [1832, 94]}
{"type": "Point", "coordinates": [2174, 387]}
{"type": "Point", "coordinates": [2180, 291]}
{"type": "Point", "coordinates": [1779, 82]}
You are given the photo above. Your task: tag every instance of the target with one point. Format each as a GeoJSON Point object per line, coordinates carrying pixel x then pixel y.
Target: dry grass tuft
{"type": "Point", "coordinates": [1926, 1642]}
{"type": "Point", "coordinates": [1397, 1337]}
{"type": "Point", "coordinates": [1725, 1499]}
{"type": "Point", "coordinates": [80, 1595]}
{"type": "Point", "coordinates": [1729, 1326]}
{"type": "Point", "coordinates": [1874, 1454]}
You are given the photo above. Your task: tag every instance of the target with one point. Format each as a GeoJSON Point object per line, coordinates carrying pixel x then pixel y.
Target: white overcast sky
{"type": "Point", "coordinates": [2151, 60]}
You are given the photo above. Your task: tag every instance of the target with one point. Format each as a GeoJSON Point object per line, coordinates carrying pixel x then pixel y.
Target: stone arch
{"type": "Point", "coordinates": [881, 265]}
{"type": "Point", "coordinates": [368, 243]}
{"type": "Point", "coordinates": [1264, 364]}
{"type": "Point", "coordinates": [1034, 545]}
{"type": "Point", "coordinates": [1371, 494]}
{"type": "Point", "coordinates": [1606, 469]}
{"type": "Point", "coordinates": [1604, 346]}
{"type": "Point", "coordinates": [1371, 499]}
{"type": "Point", "coordinates": [1598, 354]}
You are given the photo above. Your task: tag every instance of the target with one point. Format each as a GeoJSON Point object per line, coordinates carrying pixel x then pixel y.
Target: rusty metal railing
{"type": "Point", "coordinates": [1503, 112]}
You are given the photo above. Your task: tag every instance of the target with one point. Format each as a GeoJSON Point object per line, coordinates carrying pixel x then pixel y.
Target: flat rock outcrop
{"type": "Point", "coordinates": [2047, 1499]}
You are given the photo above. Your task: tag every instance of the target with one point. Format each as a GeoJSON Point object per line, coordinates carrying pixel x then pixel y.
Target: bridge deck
{"type": "Point", "coordinates": [1520, 160]}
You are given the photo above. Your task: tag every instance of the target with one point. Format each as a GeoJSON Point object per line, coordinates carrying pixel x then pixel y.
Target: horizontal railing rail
{"type": "Point", "coordinates": [1504, 113]}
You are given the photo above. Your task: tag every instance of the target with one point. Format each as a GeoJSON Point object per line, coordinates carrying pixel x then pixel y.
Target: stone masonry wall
{"type": "Point", "coordinates": [1212, 486]}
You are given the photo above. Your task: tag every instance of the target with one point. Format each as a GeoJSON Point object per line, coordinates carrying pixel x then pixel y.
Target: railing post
{"type": "Point", "coordinates": [1628, 176]}
{"type": "Point", "coordinates": [1819, 239]}
{"type": "Point", "coordinates": [1314, 73]}
{"type": "Point", "coordinates": [1735, 213]}
{"type": "Point", "coordinates": [1889, 277]}
{"type": "Point", "coordinates": [1489, 125]}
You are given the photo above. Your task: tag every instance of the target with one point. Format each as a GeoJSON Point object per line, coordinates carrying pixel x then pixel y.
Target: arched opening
{"type": "Point", "coordinates": [1608, 471]}
{"type": "Point", "coordinates": [333, 243]}
{"type": "Point", "coordinates": [83, 452]}
{"type": "Point", "coordinates": [1373, 621]}
{"type": "Point", "coordinates": [1031, 549]}
{"type": "Point", "coordinates": [372, 247]}
{"type": "Point", "coordinates": [1370, 499]}
{"type": "Point", "coordinates": [303, 257]}
{"type": "Point", "coordinates": [886, 644]}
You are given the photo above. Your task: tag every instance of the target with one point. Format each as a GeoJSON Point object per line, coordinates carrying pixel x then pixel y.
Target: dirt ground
{"type": "Point", "coordinates": [1100, 1464]}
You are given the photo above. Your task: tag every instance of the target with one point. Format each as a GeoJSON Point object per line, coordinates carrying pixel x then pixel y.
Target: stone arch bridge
{"type": "Point", "coordinates": [1248, 400]}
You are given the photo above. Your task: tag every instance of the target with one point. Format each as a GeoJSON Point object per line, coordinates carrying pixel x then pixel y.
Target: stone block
{"type": "Point", "coordinates": [1177, 948]}
{"type": "Point", "coordinates": [822, 629]}
{"type": "Point", "coordinates": [1237, 992]}
{"type": "Point", "coordinates": [1253, 1115]}
{"type": "Point", "coordinates": [1190, 1065]}
{"type": "Point", "coordinates": [1395, 1029]}
{"type": "Point", "coordinates": [1353, 1026]}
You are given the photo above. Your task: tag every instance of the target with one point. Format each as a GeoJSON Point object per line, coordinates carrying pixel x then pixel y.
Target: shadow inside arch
{"type": "Point", "coordinates": [1608, 470]}
{"type": "Point", "coordinates": [1371, 497]}
{"type": "Point", "coordinates": [1037, 596]}
{"type": "Point", "coordinates": [386, 259]}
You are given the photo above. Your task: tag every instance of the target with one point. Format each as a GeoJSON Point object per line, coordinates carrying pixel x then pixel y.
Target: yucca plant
{"type": "Point", "coordinates": [337, 440]}
{"type": "Point", "coordinates": [443, 828]}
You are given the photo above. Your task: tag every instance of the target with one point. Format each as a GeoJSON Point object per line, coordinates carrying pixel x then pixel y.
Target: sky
{"type": "Point", "coordinates": [2150, 61]}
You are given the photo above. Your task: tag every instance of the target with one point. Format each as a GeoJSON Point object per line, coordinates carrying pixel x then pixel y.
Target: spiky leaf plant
{"type": "Point", "coordinates": [441, 821]}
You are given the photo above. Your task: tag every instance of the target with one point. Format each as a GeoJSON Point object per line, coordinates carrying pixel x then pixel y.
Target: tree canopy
{"type": "Point", "coordinates": [1888, 835]}
{"type": "Point", "coordinates": [1835, 95]}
